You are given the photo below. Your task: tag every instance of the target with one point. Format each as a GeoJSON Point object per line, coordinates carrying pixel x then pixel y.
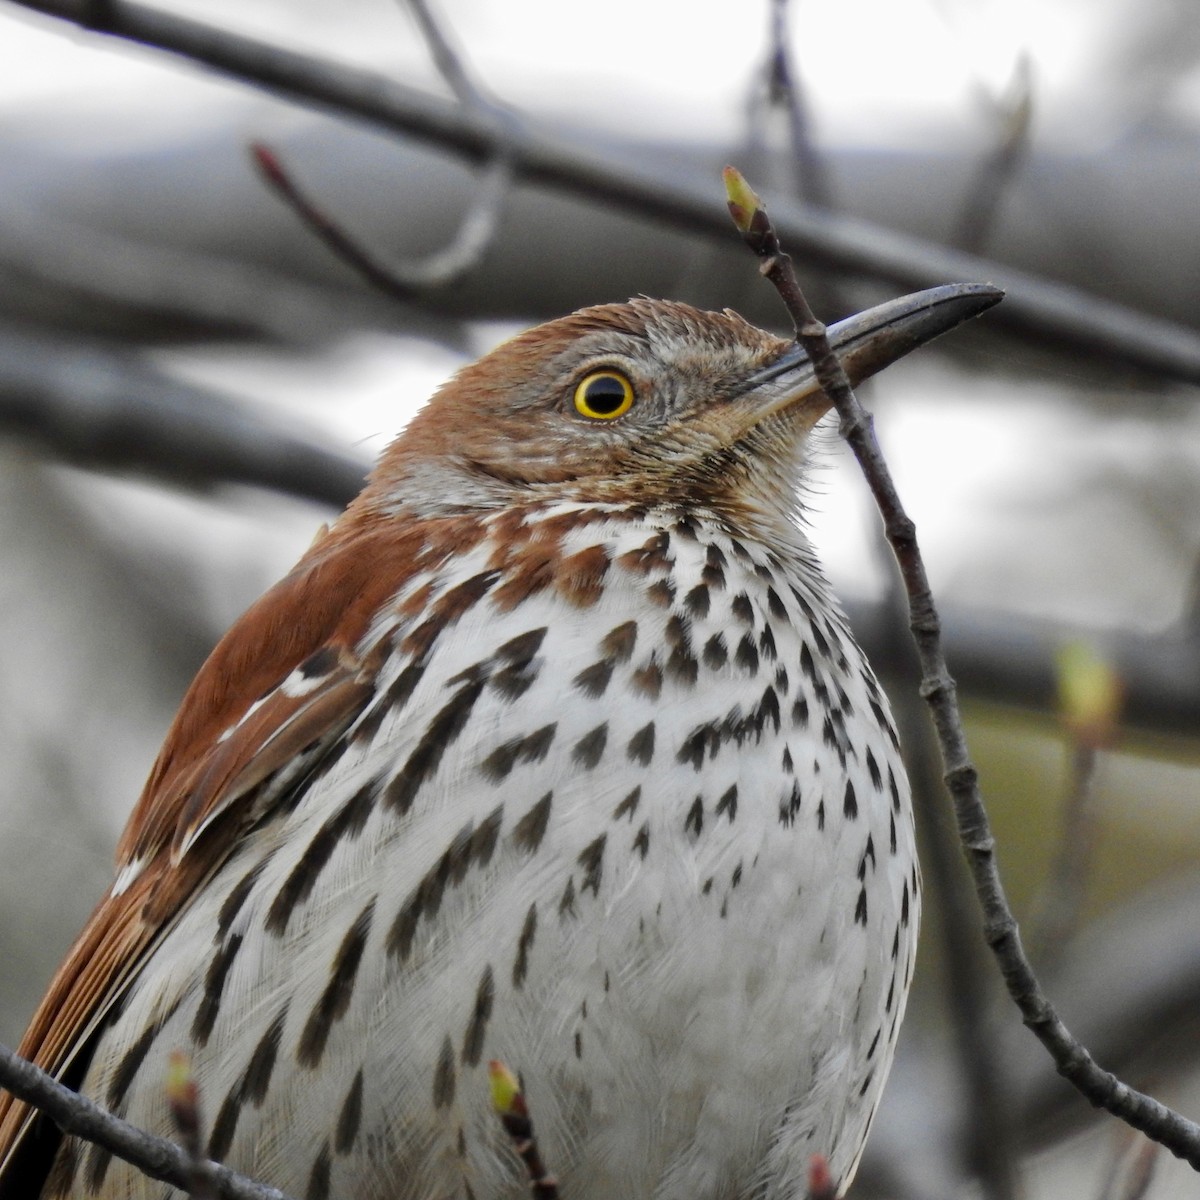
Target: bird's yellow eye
{"type": "Point", "coordinates": [603, 395]}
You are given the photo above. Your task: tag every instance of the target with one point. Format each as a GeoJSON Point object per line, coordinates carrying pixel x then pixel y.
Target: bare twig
{"type": "Point", "coordinates": [1090, 705]}
{"type": "Point", "coordinates": [1100, 1087]}
{"type": "Point", "coordinates": [1132, 1171]}
{"type": "Point", "coordinates": [1038, 308]}
{"type": "Point", "coordinates": [477, 230]}
{"type": "Point", "coordinates": [448, 61]}
{"type": "Point", "coordinates": [820, 1181]}
{"type": "Point", "coordinates": [985, 1123]}
{"type": "Point", "coordinates": [812, 182]}
{"type": "Point", "coordinates": [401, 281]}
{"type": "Point", "coordinates": [183, 1099]}
{"type": "Point", "coordinates": [508, 1100]}
{"type": "Point", "coordinates": [1014, 120]}
{"type": "Point", "coordinates": [154, 1156]}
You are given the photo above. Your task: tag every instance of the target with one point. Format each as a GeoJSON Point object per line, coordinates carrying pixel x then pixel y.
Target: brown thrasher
{"type": "Point", "coordinates": [554, 749]}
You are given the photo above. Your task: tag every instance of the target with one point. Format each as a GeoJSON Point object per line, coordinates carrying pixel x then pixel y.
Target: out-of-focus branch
{"type": "Point", "coordinates": [154, 1156]}
{"type": "Point", "coordinates": [1039, 309]}
{"type": "Point", "coordinates": [985, 193]}
{"type": "Point", "coordinates": [784, 88]}
{"type": "Point", "coordinates": [1100, 1087]}
{"type": "Point", "coordinates": [406, 281]}
{"type": "Point", "coordinates": [402, 281]}
{"type": "Point", "coordinates": [110, 411]}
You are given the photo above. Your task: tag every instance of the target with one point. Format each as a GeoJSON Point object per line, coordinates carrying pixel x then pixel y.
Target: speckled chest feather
{"type": "Point", "coordinates": [621, 806]}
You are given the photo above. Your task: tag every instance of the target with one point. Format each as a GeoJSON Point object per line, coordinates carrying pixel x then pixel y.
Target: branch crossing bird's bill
{"type": "Point", "coordinates": [556, 749]}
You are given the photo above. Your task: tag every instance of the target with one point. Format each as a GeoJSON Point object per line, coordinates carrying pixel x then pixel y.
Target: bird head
{"type": "Point", "coordinates": [649, 402]}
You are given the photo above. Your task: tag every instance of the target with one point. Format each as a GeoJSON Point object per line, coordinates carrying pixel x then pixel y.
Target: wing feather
{"type": "Point", "coordinates": [283, 685]}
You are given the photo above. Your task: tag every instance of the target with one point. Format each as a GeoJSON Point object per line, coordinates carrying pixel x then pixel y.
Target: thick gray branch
{"type": "Point", "coordinates": [1038, 309]}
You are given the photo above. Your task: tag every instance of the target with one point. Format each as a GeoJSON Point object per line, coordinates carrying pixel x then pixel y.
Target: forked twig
{"type": "Point", "coordinates": [1100, 1087]}
{"type": "Point", "coordinates": [477, 229]}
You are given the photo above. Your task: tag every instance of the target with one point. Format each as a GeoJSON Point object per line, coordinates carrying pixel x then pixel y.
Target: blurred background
{"type": "Point", "coordinates": [190, 382]}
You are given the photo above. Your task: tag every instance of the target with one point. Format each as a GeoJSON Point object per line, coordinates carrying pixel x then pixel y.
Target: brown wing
{"type": "Point", "coordinates": [286, 679]}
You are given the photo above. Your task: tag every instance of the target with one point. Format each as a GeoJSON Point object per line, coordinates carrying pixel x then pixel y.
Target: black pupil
{"type": "Point", "coordinates": [605, 394]}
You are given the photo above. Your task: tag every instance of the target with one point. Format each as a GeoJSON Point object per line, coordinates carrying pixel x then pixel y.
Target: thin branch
{"type": "Point", "coordinates": [1090, 694]}
{"type": "Point", "coordinates": [448, 61]}
{"type": "Point", "coordinates": [107, 410]}
{"type": "Point", "coordinates": [477, 230]}
{"type": "Point", "coordinates": [510, 1105]}
{"type": "Point", "coordinates": [985, 1124]}
{"type": "Point", "coordinates": [402, 281]}
{"type": "Point", "coordinates": [1132, 1170]}
{"type": "Point", "coordinates": [1100, 1087]}
{"type": "Point", "coordinates": [1014, 118]}
{"type": "Point", "coordinates": [1037, 308]}
{"type": "Point", "coordinates": [183, 1100]}
{"type": "Point", "coordinates": [154, 1156]}
{"type": "Point", "coordinates": [820, 1181]}
{"type": "Point", "coordinates": [812, 180]}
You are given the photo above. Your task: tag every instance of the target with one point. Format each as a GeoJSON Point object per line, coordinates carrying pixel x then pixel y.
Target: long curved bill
{"type": "Point", "coordinates": [866, 344]}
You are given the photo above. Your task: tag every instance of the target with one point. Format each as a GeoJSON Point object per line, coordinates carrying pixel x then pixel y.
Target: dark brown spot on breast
{"type": "Point", "coordinates": [214, 985]}
{"type": "Point", "coordinates": [873, 770]}
{"type": "Point", "coordinates": [746, 655]}
{"type": "Point", "coordinates": [697, 601]}
{"type": "Point", "coordinates": [257, 1078]}
{"type": "Point", "coordinates": [766, 644]}
{"type": "Point", "coordinates": [590, 748]}
{"type": "Point", "coordinates": [647, 680]}
{"type": "Point", "coordinates": [652, 555]}
{"type": "Point", "coordinates": [335, 999]}
{"type": "Point", "coordinates": [580, 577]}
{"type": "Point", "coordinates": [662, 593]}
{"type": "Point", "coordinates": [743, 609]}
{"type": "Point", "coordinates": [618, 643]}
{"type": "Point", "coordinates": [728, 804]}
{"type": "Point", "coordinates": [444, 1078]}
{"type": "Point", "coordinates": [481, 1013]}
{"type": "Point", "coordinates": [641, 745]}
{"type": "Point", "coordinates": [715, 653]}
{"type": "Point", "coordinates": [566, 905]}
{"type": "Point", "coordinates": [98, 1161]}
{"type": "Point", "coordinates": [524, 945]}
{"type": "Point", "coordinates": [350, 1116]}
{"type": "Point", "coordinates": [694, 821]}
{"type": "Point", "coordinates": [133, 1058]}
{"type": "Point", "coordinates": [790, 806]}
{"type": "Point", "coordinates": [225, 1126]}
{"type": "Point", "coordinates": [591, 859]}
{"type": "Point", "coordinates": [714, 567]}
{"type": "Point", "coordinates": [517, 664]}
{"type": "Point", "coordinates": [528, 573]}
{"type": "Point", "coordinates": [318, 1177]}
{"type": "Point", "coordinates": [347, 822]}
{"type": "Point", "coordinates": [850, 802]}
{"type": "Point", "coordinates": [423, 762]}
{"type": "Point", "coordinates": [704, 739]}
{"type": "Point", "coordinates": [593, 680]}
{"type": "Point", "coordinates": [641, 843]}
{"type": "Point", "coordinates": [232, 904]}
{"type": "Point", "coordinates": [528, 832]}
{"type": "Point", "coordinates": [628, 806]}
